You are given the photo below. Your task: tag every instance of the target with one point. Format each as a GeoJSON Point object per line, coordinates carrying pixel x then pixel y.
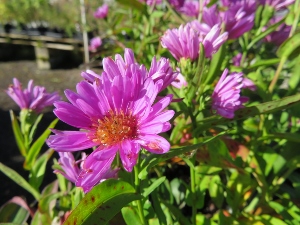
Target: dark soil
{"type": "Point", "coordinates": [53, 80]}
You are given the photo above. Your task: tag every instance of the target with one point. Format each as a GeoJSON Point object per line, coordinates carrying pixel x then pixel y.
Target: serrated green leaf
{"type": "Point", "coordinates": [37, 146]}
{"type": "Point", "coordinates": [18, 134]}
{"type": "Point", "coordinates": [19, 180]}
{"type": "Point", "coordinates": [103, 202]}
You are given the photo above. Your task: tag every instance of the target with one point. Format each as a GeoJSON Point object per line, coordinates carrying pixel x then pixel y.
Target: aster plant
{"type": "Point", "coordinates": [192, 119]}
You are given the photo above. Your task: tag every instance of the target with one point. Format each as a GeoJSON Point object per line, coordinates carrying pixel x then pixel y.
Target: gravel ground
{"type": "Point", "coordinates": [53, 80]}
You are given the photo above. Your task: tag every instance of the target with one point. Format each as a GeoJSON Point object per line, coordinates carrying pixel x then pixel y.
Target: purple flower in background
{"type": "Point", "coordinates": [115, 114]}
{"type": "Point", "coordinates": [236, 60]}
{"type": "Point", "coordinates": [33, 97]}
{"type": "Point", "coordinates": [226, 98]}
{"type": "Point", "coordinates": [281, 33]}
{"type": "Point", "coordinates": [182, 42]}
{"type": "Point", "coordinates": [162, 70]}
{"type": "Point", "coordinates": [101, 12]}
{"type": "Point", "coordinates": [238, 18]}
{"type": "Point", "coordinates": [277, 4]}
{"type": "Point", "coordinates": [190, 8]}
{"type": "Point", "coordinates": [90, 172]}
{"type": "Point", "coordinates": [95, 43]}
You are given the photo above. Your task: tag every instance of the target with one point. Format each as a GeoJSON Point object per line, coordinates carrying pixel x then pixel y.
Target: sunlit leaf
{"type": "Point", "coordinates": [19, 180]}
{"type": "Point", "coordinates": [37, 145]}
{"type": "Point", "coordinates": [103, 202]}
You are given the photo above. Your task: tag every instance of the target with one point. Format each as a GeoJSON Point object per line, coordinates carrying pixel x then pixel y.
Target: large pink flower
{"type": "Point", "coordinates": [116, 113]}
{"type": "Point", "coordinates": [226, 98]}
{"type": "Point", "coordinates": [33, 97]}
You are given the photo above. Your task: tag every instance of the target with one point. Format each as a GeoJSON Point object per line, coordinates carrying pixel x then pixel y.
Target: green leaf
{"type": "Point", "coordinates": [49, 194]}
{"type": "Point", "coordinates": [130, 215]}
{"type": "Point", "coordinates": [19, 180]}
{"type": "Point", "coordinates": [263, 108]}
{"type": "Point", "coordinates": [36, 147]}
{"type": "Point", "coordinates": [289, 46]}
{"type": "Point", "coordinates": [14, 211]}
{"type": "Point", "coordinates": [153, 186]}
{"type": "Point", "coordinates": [158, 209]}
{"type": "Point", "coordinates": [103, 202]}
{"type": "Point", "coordinates": [154, 159]}
{"type": "Point", "coordinates": [38, 170]}
{"type": "Point", "coordinates": [215, 65]}
{"type": "Point", "coordinates": [263, 34]}
{"type": "Point", "coordinates": [17, 133]}
{"type": "Point", "coordinates": [34, 127]}
{"type": "Point", "coordinates": [177, 214]}
{"type": "Point", "coordinates": [133, 4]}
{"type": "Point", "coordinates": [264, 62]}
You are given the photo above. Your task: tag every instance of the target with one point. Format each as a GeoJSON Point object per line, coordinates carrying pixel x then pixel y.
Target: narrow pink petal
{"type": "Point", "coordinates": [154, 143]}
{"type": "Point", "coordinates": [69, 141]}
{"type": "Point", "coordinates": [129, 154]}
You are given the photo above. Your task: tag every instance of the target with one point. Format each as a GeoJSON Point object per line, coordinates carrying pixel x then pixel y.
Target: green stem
{"type": "Point", "coordinates": [137, 188]}
{"type": "Point", "coordinates": [297, 15]}
{"type": "Point", "coordinates": [277, 73]}
{"type": "Point", "coordinates": [193, 188]}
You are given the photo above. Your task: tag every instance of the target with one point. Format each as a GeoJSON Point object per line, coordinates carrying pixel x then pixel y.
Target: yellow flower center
{"type": "Point", "coordinates": [114, 128]}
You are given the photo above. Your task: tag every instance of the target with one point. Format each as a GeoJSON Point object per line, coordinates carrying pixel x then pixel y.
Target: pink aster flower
{"type": "Point", "coordinates": [238, 18]}
{"type": "Point", "coordinates": [177, 4]}
{"type": "Point", "coordinates": [33, 97]}
{"type": "Point", "coordinates": [89, 173]}
{"type": "Point", "coordinates": [182, 42]}
{"type": "Point", "coordinates": [212, 39]}
{"type": "Point", "coordinates": [190, 8]}
{"type": "Point", "coordinates": [101, 12]}
{"type": "Point", "coordinates": [115, 114]}
{"type": "Point", "coordinates": [226, 98]}
{"type": "Point", "coordinates": [95, 43]}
